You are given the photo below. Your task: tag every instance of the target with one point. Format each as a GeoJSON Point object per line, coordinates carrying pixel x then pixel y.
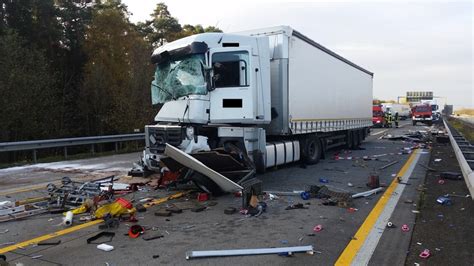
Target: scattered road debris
{"type": "Point", "coordinates": [373, 181]}
{"type": "Point", "coordinates": [425, 254]}
{"type": "Point", "coordinates": [367, 193]}
{"type": "Point", "coordinates": [67, 221]}
{"type": "Point", "coordinates": [443, 200]}
{"type": "Point", "coordinates": [152, 237]}
{"type": "Point", "coordinates": [105, 247]}
{"type": "Point", "coordinates": [242, 252]}
{"type": "Point", "coordinates": [305, 195]}
{"type": "Point", "coordinates": [389, 164]}
{"type": "Point", "coordinates": [318, 228]}
{"type": "Point", "coordinates": [296, 206]}
{"type": "Point", "coordinates": [108, 235]}
{"type": "Point", "coordinates": [49, 243]}
{"type": "Point", "coordinates": [135, 231]}
{"type": "Point", "coordinates": [451, 175]}
{"type": "Point", "coordinates": [230, 210]}
{"type": "Point", "coordinates": [405, 228]}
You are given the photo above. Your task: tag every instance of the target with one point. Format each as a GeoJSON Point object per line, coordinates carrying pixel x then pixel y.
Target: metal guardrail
{"type": "Point", "coordinates": [464, 152]}
{"type": "Point", "coordinates": [35, 145]}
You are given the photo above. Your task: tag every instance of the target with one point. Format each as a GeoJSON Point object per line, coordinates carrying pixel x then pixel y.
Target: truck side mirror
{"type": "Point", "coordinates": [206, 72]}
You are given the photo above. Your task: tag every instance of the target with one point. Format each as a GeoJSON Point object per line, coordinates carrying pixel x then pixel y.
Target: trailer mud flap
{"type": "Point", "coordinates": [185, 159]}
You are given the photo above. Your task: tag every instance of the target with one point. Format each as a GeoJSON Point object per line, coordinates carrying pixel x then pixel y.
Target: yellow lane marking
{"type": "Point", "coordinates": [49, 236]}
{"type": "Point", "coordinates": [74, 228]}
{"type": "Point", "coordinates": [27, 189]}
{"type": "Point", "coordinates": [350, 252]}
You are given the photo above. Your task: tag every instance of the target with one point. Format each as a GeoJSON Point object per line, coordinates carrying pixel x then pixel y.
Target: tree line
{"type": "Point", "coordinates": [78, 68]}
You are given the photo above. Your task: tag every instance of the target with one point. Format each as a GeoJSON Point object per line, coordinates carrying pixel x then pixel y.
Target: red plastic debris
{"type": "Point", "coordinates": [425, 254]}
{"type": "Point", "coordinates": [202, 197]}
{"type": "Point", "coordinates": [405, 228]}
{"type": "Point", "coordinates": [318, 228]}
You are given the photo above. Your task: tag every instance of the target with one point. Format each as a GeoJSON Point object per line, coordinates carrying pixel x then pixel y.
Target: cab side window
{"type": "Point", "coordinates": [230, 69]}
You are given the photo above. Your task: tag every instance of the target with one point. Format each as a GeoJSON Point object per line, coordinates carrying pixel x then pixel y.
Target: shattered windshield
{"type": "Point", "coordinates": [178, 78]}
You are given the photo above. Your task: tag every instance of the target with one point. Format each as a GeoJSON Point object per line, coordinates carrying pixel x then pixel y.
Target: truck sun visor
{"type": "Point", "coordinates": [193, 48]}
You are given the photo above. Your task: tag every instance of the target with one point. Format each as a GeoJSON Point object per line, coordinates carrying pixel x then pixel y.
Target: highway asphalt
{"type": "Point", "coordinates": [347, 235]}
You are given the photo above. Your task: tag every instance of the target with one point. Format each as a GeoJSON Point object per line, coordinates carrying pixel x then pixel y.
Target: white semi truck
{"type": "Point", "coordinates": [264, 97]}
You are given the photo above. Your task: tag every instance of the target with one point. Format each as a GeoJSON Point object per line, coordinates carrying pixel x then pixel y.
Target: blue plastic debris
{"type": "Point", "coordinates": [444, 200]}
{"type": "Point", "coordinates": [305, 195]}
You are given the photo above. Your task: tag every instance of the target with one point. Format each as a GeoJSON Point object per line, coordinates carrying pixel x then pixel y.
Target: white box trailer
{"type": "Point", "coordinates": [272, 96]}
{"type": "Point", "coordinates": [312, 88]}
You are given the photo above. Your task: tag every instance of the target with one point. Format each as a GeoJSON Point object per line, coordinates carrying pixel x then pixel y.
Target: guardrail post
{"type": "Point", "coordinates": [65, 152]}
{"type": "Point", "coordinates": [92, 149]}
{"type": "Point", "coordinates": [34, 156]}
{"type": "Point", "coordinates": [116, 147]}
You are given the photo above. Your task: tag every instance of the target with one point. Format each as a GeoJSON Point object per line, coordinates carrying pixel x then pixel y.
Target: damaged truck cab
{"type": "Point", "coordinates": [254, 100]}
{"type": "Point", "coordinates": [207, 85]}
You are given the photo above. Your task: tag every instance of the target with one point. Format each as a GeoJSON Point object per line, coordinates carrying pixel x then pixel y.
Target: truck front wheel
{"type": "Point", "coordinates": [312, 150]}
{"type": "Point", "coordinates": [205, 184]}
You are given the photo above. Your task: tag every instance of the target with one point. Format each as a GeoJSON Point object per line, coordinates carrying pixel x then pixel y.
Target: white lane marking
{"type": "Point", "coordinates": [367, 250]}
{"type": "Point", "coordinates": [380, 132]}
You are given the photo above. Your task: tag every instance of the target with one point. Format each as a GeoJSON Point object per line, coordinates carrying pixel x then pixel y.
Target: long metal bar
{"type": "Point", "coordinates": [466, 170]}
{"type": "Point", "coordinates": [367, 193]}
{"type": "Point", "coordinates": [52, 143]}
{"type": "Point", "coordinates": [241, 252]}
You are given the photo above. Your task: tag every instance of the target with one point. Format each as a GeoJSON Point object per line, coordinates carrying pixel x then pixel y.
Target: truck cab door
{"type": "Point", "coordinates": [231, 100]}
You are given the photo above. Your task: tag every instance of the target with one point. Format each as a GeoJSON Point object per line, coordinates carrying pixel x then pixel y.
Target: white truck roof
{"type": "Point", "coordinates": [287, 31]}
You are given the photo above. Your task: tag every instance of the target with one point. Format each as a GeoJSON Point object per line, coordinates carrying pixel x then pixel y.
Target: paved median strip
{"type": "Point", "coordinates": [74, 228]}
{"type": "Point", "coordinates": [363, 239]}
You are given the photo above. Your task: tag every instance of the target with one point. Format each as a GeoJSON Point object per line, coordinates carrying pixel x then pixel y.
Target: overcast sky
{"type": "Point", "coordinates": [408, 45]}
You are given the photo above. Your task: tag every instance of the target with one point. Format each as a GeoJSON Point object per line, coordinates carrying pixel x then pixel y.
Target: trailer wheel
{"type": "Point", "coordinates": [312, 150]}
{"type": "Point", "coordinates": [350, 140]}
{"type": "Point", "coordinates": [355, 139]}
{"type": "Point", "coordinates": [361, 136]}
{"type": "Point", "coordinates": [205, 184]}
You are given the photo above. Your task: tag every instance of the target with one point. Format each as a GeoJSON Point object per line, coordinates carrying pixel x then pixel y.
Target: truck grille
{"type": "Point", "coordinates": [162, 134]}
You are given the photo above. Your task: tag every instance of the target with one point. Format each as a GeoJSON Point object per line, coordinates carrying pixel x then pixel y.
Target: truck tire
{"type": "Point", "coordinates": [350, 140]}
{"type": "Point", "coordinates": [414, 123]}
{"type": "Point", "coordinates": [312, 150]}
{"type": "Point", "coordinates": [205, 184]}
{"type": "Point", "coordinates": [356, 139]}
{"type": "Point", "coordinates": [430, 123]}
{"type": "Point", "coordinates": [361, 135]}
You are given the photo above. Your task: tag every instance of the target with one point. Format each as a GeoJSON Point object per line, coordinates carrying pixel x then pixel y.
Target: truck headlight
{"type": "Point", "coordinates": [190, 132]}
